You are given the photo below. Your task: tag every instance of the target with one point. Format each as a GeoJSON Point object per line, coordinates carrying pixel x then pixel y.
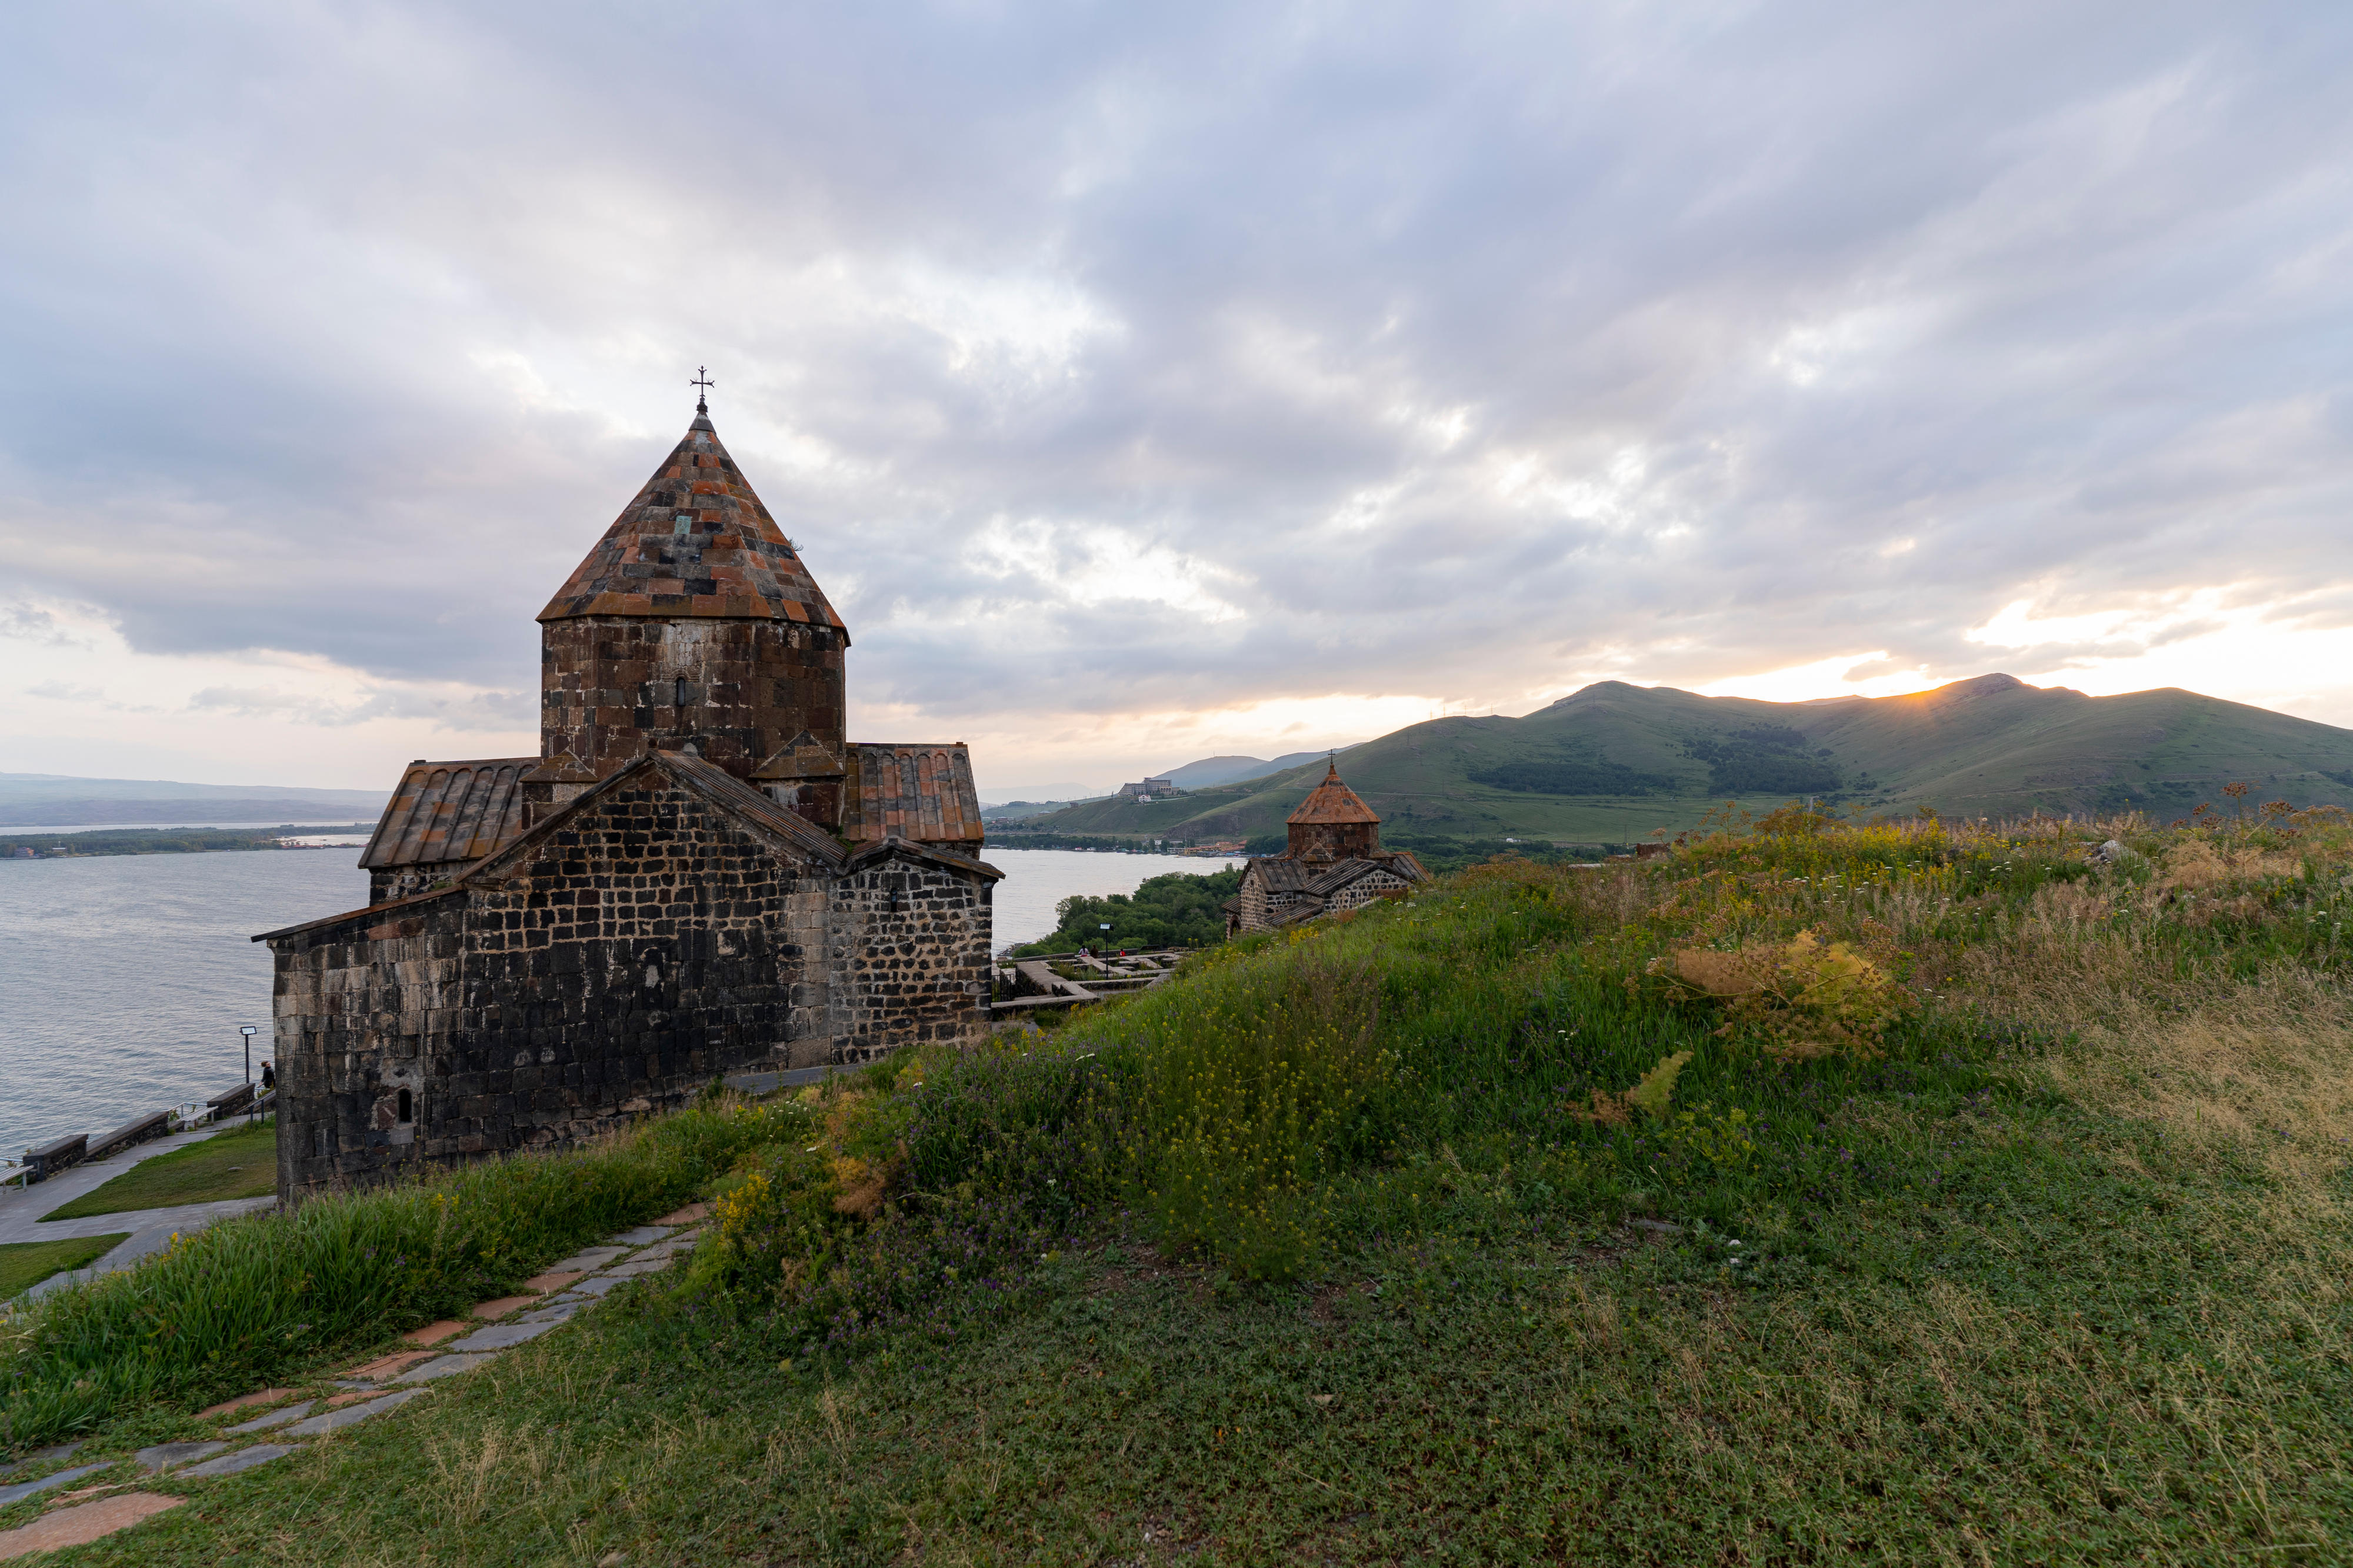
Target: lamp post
{"type": "Point", "coordinates": [249, 1031]}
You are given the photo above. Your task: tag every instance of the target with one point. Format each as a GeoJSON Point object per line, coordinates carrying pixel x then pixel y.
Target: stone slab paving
{"type": "Point", "coordinates": [230, 1464]}
{"type": "Point", "coordinates": [23, 1490]}
{"type": "Point", "coordinates": [500, 1336]}
{"type": "Point", "coordinates": [265, 1397]}
{"type": "Point", "coordinates": [587, 1259]}
{"type": "Point", "coordinates": [441, 1366]}
{"type": "Point", "coordinates": [39, 1456]}
{"type": "Point", "coordinates": [351, 1415]}
{"type": "Point", "coordinates": [637, 1268]}
{"type": "Point", "coordinates": [163, 1456]}
{"type": "Point", "coordinates": [275, 1418]}
{"type": "Point", "coordinates": [79, 1526]}
{"type": "Point", "coordinates": [557, 1295]}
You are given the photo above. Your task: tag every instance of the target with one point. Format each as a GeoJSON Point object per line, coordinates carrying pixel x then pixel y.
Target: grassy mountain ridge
{"type": "Point", "coordinates": [1614, 762]}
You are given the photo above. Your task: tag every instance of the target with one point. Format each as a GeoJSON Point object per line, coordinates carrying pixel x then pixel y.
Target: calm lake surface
{"type": "Point", "coordinates": [124, 977]}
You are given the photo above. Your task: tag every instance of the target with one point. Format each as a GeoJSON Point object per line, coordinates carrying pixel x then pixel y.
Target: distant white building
{"type": "Point", "coordinates": [1148, 789]}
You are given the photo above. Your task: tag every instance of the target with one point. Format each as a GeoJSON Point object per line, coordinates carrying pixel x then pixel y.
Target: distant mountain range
{"type": "Point", "coordinates": [1036, 800]}
{"type": "Point", "coordinates": [59, 800]}
{"type": "Point", "coordinates": [1614, 762]}
{"type": "Point", "coordinates": [1210, 772]}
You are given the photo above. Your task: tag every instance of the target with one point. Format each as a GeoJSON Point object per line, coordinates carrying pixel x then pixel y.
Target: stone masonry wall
{"type": "Point", "coordinates": [359, 1007]}
{"type": "Point", "coordinates": [738, 691]}
{"type": "Point", "coordinates": [1333, 840]}
{"type": "Point", "coordinates": [910, 955]}
{"type": "Point", "coordinates": [386, 883]}
{"type": "Point", "coordinates": [1259, 908]}
{"type": "Point", "coordinates": [644, 948]}
{"type": "Point", "coordinates": [1372, 884]}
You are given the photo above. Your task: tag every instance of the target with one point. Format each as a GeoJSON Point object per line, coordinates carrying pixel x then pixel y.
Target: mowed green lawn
{"type": "Point", "coordinates": [239, 1163]}
{"type": "Point", "coordinates": [25, 1264]}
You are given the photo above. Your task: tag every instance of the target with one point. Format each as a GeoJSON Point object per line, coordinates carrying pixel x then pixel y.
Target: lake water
{"type": "Point", "coordinates": [124, 977]}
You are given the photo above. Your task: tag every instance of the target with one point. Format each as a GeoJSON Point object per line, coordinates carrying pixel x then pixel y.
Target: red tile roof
{"type": "Point", "coordinates": [450, 811]}
{"type": "Point", "coordinates": [1332, 801]}
{"type": "Point", "coordinates": [695, 542]}
{"type": "Point", "coordinates": [916, 792]}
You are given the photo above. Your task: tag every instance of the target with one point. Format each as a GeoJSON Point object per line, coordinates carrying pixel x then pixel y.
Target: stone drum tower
{"type": "Point", "coordinates": [693, 626]}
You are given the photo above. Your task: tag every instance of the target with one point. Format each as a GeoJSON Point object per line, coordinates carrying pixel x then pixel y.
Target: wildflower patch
{"type": "Point", "coordinates": [1799, 1000]}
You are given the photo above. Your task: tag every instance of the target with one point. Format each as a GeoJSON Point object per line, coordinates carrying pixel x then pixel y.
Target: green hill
{"type": "Point", "coordinates": [1614, 762]}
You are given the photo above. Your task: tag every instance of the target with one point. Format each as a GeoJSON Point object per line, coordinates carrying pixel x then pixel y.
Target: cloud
{"type": "Point", "coordinates": [1132, 378]}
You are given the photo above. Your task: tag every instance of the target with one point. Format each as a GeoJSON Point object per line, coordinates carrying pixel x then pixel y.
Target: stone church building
{"type": "Point", "coordinates": [1334, 861]}
{"type": "Point", "coordinates": [699, 873]}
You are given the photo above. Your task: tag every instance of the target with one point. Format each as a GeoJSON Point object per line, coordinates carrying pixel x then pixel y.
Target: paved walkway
{"type": "Point", "coordinates": [151, 1230]}
{"type": "Point", "coordinates": [271, 1423]}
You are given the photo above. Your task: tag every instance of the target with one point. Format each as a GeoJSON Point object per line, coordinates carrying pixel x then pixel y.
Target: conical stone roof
{"type": "Point", "coordinates": [1331, 802]}
{"type": "Point", "coordinates": [695, 543]}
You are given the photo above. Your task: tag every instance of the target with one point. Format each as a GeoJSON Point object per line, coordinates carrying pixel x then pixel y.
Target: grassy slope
{"type": "Point", "coordinates": [241, 1162]}
{"type": "Point", "coordinates": [25, 1264]}
{"type": "Point", "coordinates": [1964, 749]}
{"type": "Point", "coordinates": [2062, 1277]}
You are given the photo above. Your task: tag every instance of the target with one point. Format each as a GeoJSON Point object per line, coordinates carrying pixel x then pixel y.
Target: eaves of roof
{"type": "Point", "coordinates": [714, 785]}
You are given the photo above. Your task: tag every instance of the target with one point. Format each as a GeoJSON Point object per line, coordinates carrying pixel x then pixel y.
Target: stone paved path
{"type": "Point", "coordinates": [282, 1418]}
{"type": "Point", "coordinates": [151, 1230]}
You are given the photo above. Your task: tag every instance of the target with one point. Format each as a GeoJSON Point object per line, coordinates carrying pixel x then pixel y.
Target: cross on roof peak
{"type": "Point", "coordinates": [702, 379]}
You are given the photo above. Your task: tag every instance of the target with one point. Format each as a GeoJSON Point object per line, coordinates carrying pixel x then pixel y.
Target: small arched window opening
{"type": "Point", "coordinates": [408, 1105]}
{"type": "Point", "coordinates": [682, 692]}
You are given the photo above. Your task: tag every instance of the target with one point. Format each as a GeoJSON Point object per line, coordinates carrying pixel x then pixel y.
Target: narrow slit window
{"type": "Point", "coordinates": [408, 1105]}
{"type": "Point", "coordinates": [681, 701]}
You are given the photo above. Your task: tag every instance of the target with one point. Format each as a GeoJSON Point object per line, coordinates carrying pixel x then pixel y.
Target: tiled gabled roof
{"type": "Point", "coordinates": [1332, 801]}
{"type": "Point", "coordinates": [1281, 874]}
{"type": "Point", "coordinates": [715, 783]}
{"type": "Point", "coordinates": [695, 542]}
{"type": "Point", "coordinates": [1398, 865]}
{"type": "Point", "coordinates": [1333, 879]}
{"type": "Point", "coordinates": [450, 811]}
{"type": "Point", "coordinates": [915, 791]}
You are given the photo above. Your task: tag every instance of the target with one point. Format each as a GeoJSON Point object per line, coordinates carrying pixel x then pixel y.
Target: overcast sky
{"type": "Point", "coordinates": [1150, 382]}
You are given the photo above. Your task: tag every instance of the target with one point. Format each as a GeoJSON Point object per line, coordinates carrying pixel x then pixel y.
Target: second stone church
{"type": "Point", "coordinates": [699, 872]}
